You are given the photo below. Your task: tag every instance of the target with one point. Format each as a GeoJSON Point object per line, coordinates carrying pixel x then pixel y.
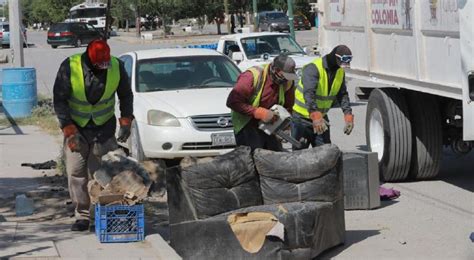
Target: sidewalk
{"type": "Point", "coordinates": [46, 233]}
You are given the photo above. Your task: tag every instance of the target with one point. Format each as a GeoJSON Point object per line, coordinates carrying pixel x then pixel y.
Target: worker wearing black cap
{"type": "Point", "coordinates": [256, 91]}
{"type": "Point", "coordinates": [322, 84]}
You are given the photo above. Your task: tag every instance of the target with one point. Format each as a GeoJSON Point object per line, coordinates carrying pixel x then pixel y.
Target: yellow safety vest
{"type": "Point", "coordinates": [81, 110]}
{"type": "Point", "coordinates": [324, 97]}
{"type": "Point", "coordinates": [239, 121]}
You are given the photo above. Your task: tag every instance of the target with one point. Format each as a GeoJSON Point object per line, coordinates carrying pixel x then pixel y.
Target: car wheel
{"type": "Point", "coordinates": [54, 46]}
{"type": "Point", "coordinates": [78, 43]}
{"type": "Point", "coordinates": [135, 148]}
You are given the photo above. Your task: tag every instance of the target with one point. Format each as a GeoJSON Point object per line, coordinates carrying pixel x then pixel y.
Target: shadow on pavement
{"type": "Point", "coordinates": [157, 218]}
{"type": "Point", "coordinates": [352, 237]}
{"type": "Point", "coordinates": [27, 252]}
{"type": "Point", "coordinates": [12, 122]}
{"type": "Point", "coordinates": [49, 194]}
{"type": "Point", "coordinates": [458, 170]}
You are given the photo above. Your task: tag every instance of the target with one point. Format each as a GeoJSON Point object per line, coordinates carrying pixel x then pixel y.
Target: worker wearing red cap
{"type": "Point", "coordinates": [85, 90]}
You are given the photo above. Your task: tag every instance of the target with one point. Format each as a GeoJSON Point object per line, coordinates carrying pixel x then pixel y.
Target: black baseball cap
{"type": "Point", "coordinates": [287, 66]}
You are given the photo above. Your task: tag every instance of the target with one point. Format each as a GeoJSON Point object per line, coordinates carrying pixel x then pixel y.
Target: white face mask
{"type": "Point", "coordinates": [345, 65]}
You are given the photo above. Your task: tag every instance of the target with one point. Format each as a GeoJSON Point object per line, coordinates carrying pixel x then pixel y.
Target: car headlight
{"type": "Point", "coordinates": [160, 118]}
{"type": "Point", "coordinates": [274, 24]}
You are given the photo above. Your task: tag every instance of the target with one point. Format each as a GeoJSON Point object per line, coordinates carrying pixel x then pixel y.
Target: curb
{"type": "Point", "coordinates": [162, 248]}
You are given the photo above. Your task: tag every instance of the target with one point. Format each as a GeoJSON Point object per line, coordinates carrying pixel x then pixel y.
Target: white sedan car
{"type": "Point", "coordinates": [180, 103]}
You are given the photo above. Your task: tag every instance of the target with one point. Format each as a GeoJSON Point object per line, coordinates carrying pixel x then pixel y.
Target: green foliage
{"type": "Point", "coordinates": [42, 115]}
{"type": "Point", "coordinates": [57, 10]}
{"type": "Point", "coordinates": [49, 11]}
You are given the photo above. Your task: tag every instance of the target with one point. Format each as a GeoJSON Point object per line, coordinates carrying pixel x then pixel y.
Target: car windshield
{"type": "Point", "coordinates": [185, 73]}
{"type": "Point", "coordinates": [254, 47]}
{"type": "Point", "coordinates": [6, 27]}
{"type": "Point", "coordinates": [274, 16]}
{"type": "Point", "coordinates": [59, 27]}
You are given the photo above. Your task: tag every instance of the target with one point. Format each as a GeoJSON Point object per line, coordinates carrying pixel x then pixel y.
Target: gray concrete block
{"type": "Point", "coordinates": [361, 180]}
{"type": "Point", "coordinates": [4, 56]}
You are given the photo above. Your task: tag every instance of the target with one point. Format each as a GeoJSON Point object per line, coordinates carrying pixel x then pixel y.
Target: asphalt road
{"type": "Point", "coordinates": [47, 60]}
{"type": "Point", "coordinates": [431, 220]}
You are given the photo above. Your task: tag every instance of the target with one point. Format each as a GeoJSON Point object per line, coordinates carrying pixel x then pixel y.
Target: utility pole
{"type": "Point", "coordinates": [291, 18]}
{"type": "Point", "coordinates": [108, 19]}
{"type": "Point", "coordinates": [138, 19]}
{"type": "Point", "coordinates": [255, 18]}
{"type": "Point", "coordinates": [226, 10]}
{"type": "Point", "coordinates": [16, 33]}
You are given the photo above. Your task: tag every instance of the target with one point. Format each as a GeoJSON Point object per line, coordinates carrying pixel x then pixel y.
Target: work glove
{"type": "Point", "coordinates": [265, 115]}
{"type": "Point", "coordinates": [73, 138]}
{"type": "Point", "coordinates": [320, 125]}
{"type": "Point", "coordinates": [349, 119]}
{"type": "Point", "coordinates": [125, 127]}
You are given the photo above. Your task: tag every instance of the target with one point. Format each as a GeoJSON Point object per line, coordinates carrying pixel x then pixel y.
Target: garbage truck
{"type": "Point", "coordinates": [414, 63]}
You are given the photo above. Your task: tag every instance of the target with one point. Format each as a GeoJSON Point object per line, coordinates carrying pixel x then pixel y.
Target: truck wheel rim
{"type": "Point", "coordinates": [376, 133]}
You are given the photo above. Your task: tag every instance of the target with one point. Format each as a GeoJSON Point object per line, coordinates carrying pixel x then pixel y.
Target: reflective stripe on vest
{"type": "Point", "coordinates": [324, 97]}
{"type": "Point", "coordinates": [81, 110]}
{"type": "Point", "coordinates": [240, 121]}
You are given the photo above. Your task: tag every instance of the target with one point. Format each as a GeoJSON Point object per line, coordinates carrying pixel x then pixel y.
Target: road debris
{"type": "Point", "coordinates": [41, 166]}
{"type": "Point", "coordinates": [119, 180]}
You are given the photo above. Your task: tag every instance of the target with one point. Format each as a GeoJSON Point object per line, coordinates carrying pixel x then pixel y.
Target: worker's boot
{"type": "Point", "coordinates": [80, 225]}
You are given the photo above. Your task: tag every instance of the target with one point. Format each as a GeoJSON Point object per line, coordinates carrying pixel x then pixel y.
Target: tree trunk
{"type": "Point", "coordinates": [218, 27]}
{"type": "Point", "coordinates": [127, 25]}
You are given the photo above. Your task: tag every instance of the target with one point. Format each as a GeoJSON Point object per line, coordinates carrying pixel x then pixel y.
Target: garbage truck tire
{"type": "Point", "coordinates": [389, 133]}
{"type": "Point", "coordinates": [427, 135]}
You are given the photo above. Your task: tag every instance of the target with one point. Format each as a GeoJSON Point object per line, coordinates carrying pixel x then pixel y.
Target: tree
{"type": "Point", "coordinates": [122, 11]}
{"type": "Point", "coordinates": [214, 11]}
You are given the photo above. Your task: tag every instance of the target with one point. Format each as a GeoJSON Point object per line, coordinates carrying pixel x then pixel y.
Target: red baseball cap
{"type": "Point", "coordinates": [99, 54]}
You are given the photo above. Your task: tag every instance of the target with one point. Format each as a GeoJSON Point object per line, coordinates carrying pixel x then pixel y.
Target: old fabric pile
{"type": "Point", "coordinates": [119, 180]}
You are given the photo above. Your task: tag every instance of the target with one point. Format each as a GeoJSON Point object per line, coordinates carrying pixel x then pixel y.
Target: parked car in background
{"type": "Point", "coordinates": [301, 23]}
{"type": "Point", "coordinates": [255, 49]}
{"type": "Point", "coordinates": [273, 21]}
{"type": "Point", "coordinates": [73, 33]}
{"type": "Point", "coordinates": [180, 103]}
{"type": "Point", "coordinates": [5, 35]}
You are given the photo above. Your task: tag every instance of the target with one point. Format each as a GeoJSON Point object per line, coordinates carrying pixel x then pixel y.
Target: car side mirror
{"type": "Point", "coordinates": [306, 50]}
{"type": "Point", "coordinates": [237, 56]}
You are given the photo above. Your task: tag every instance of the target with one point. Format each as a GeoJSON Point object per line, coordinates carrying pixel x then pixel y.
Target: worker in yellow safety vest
{"type": "Point", "coordinates": [84, 100]}
{"type": "Point", "coordinates": [256, 91]}
{"type": "Point", "coordinates": [321, 86]}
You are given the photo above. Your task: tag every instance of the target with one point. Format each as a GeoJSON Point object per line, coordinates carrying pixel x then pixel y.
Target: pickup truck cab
{"type": "Point", "coordinates": [252, 49]}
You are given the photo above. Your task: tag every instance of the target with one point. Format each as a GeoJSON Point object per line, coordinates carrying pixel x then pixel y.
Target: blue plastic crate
{"type": "Point", "coordinates": [119, 223]}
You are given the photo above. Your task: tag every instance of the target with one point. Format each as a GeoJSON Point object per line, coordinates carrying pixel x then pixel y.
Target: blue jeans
{"type": "Point", "coordinates": [301, 130]}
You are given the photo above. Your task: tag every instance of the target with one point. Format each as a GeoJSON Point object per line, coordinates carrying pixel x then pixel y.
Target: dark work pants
{"type": "Point", "coordinates": [255, 138]}
{"type": "Point", "coordinates": [300, 130]}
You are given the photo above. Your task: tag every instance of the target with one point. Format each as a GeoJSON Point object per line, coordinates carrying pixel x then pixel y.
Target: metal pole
{"type": "Point", "coordinates": [226, 10]}
{"type": "Point", "coordinates": [107, 20]}
{"type": "Point", "coordinates": [138, 19]}
{"type": "Point", "coordinates": [16, 37]}
{"type": "Point", "coordinates": [255, 18]}
{"type": "Point", "coordinates": [291, 18]}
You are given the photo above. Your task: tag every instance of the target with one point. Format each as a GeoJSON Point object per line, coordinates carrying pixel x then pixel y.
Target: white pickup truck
{"type": "Point", "coordinates": [251, 49]}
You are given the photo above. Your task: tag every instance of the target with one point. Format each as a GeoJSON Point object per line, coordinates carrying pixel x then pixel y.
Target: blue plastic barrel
{"type": "Point", "coordinates": [19, 94]}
